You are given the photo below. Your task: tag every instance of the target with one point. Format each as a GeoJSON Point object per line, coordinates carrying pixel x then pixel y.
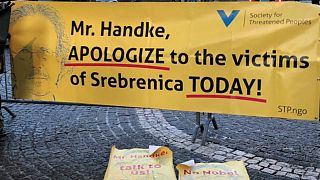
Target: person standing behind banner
{"type": "Point", "coordinates": [38, 51]}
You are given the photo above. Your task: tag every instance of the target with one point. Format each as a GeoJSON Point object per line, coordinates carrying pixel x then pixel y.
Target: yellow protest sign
{"type": "Point", "coordinates": [140, 164]}
{"type": "Point", "coordinates": [234, 170]}
{"type": "Point", "coordinates": [234, 58]}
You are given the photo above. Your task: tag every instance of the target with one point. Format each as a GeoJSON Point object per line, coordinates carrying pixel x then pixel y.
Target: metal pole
{"type": "Point", "coordinates": [2, 133]}
{"type": "Point", "coordinates": [196, 128]}
{"type": "Point", "coordinates": [5, 75]}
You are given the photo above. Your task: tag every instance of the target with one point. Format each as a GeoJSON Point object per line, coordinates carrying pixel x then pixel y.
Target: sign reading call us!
{"type": "Point", "coordinates": [233, 58]}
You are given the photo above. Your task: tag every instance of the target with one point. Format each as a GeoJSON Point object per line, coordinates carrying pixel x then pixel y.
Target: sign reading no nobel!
{"type": "Point", "coordinates": [235, 58]}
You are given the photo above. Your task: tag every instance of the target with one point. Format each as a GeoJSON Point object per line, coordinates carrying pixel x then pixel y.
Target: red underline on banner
{"type": "Point", "coordinates": [119, 65]}
{"type": "Point", "coordinates": [226, 97]}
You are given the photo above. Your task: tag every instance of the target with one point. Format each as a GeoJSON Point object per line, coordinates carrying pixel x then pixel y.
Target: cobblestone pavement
{"type": "Point", "coordinates": [48, 141]}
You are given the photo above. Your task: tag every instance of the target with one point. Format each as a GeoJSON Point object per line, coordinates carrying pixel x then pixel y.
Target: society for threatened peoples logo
{"type": "Point", "coordinates": [227, 20]}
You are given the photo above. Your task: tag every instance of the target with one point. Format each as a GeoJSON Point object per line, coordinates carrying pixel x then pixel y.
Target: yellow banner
{"type": "Point", "coordinates": [133, 164]}
{"type": "Point", "coordinates": [259, 59]}
{"type": "Point", "coordinates": [232, 170]}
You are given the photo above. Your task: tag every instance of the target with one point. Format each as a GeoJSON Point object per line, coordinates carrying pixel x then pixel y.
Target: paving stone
{"type": "Point", "coordinates": [239, 153]}
{"type": "Point", "coordinates": [267, 170]}
{"type": "Point", "coordinates": [299, 171]}
{"type": "Point", "coordinates": [283, 164]}
{"type": "Point", "coordinates": [240, 158]}
{"type": "Point", "coordinates": [187, 143]}
{"type": "Point", "coordinates": [309, 168]}
{"type": "Point", "coordinates": [254, 166]}
{"type": "Point", "coordinates": [309, 177]}
{"type": "Point", "coordinates": [309, 173]}
{"type": "Point", "coordinates": [219, 157]}
{"type": "Point", "coordinates": [193, 147]}
{"type": "Point", "coordinates": [264, 164]}
{"type": "Point", "coordinates": [281, 173]}
{"type": "Point", "coordinates": [228, 150]}
{"type": "Point", "coordinates": [252, 161]}
{"type": "Point", "coordinates": [286, 169]}
{"type": "Point", "coordinates": [275, 167]}
{"type": "Point", "coordinates": [201, 149]}
{"type": "Point", "coordinates": [220, 152]}
{"type": "Point", "coordinates": [248, 155]}
{"type": "Point", "coordinates": [271, 161]}
{"type": "Point", "coordinates": [293, 176]}
{"type": "Point", "coordinates": [297, 167]}
{"type": "Point", "coordinates": [258, 158]}
{"type": "Point", "coordinates": [230, 155]}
